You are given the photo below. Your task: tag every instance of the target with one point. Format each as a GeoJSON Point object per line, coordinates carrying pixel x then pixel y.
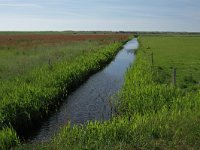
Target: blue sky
{"type": "Point", "coordinates": [115, 15]}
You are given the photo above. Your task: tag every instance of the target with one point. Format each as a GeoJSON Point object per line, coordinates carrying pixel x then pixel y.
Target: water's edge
{"type": "Point", "coordinates": [91, 101]}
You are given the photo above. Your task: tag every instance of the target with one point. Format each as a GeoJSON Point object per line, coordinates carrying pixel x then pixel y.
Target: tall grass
{"type": "Point", "coordinates": [8, 138]}
{"type": "Point", "coordinates": [151, 115]}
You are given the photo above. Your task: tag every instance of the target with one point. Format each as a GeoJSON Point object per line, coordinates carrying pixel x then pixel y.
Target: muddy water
{"type": "Point", "coordinates": [91, 101]}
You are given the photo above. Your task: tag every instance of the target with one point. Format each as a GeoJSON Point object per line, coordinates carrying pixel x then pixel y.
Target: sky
{"type": "Point", "coordinates": [102, 15]}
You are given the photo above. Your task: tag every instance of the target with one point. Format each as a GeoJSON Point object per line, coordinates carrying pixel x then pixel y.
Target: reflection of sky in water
{"type": "Point", "coordinates": [91, 100]}
{"type": "Point", "coordinates": [123, 60]}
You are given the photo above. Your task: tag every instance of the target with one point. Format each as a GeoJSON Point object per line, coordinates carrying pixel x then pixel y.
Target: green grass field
{"type": "Point", "coordinates": [19, 61]}
{"type": "Point", "coordinates": [21, 53]}
{"type": "Point", "coordinates": [151, 113]}
{"type": "Point", "coordinates": [182, 53]}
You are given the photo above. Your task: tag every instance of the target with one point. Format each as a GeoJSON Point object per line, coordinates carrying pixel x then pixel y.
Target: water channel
{"type": "Point", "coordinates": [91, 101]}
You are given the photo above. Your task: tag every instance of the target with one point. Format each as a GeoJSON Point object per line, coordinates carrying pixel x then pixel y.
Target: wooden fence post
{"type": "Point", "coordinates": [49, 62]}
{"type": "Point", "coordinates": [174, 77]}
{"type": "Point", "coordinates": [111, 111]}
{"type": "Point", "coordinates": [152, 61]}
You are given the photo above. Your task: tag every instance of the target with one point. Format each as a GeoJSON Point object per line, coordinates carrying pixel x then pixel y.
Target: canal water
{"type": "Point", "coordinates": [91, 101]}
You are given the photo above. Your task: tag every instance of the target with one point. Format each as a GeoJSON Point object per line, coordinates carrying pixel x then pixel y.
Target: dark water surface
{"type": "Point", "coordinates": [91, 101]}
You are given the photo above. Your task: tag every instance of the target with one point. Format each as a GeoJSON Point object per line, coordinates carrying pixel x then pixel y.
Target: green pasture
{"type": "Point", "coordinates": [16, 60]}
{"type": "Point", "coordinates": [182, 53]}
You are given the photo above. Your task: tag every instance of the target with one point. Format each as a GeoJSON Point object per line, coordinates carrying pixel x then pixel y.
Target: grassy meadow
{"type": "Point", "coordinates": [151, 112]}
{"type": "Point", "coordinates": [20, 53]}
{"type": "Point", "coordinates": [178, 52]}
{"type": "Point", "coordinates": [31, 84]}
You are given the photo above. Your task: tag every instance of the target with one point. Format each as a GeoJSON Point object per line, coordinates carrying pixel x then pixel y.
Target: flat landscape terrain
{"type": "Point", "coordinates": [149, 113]}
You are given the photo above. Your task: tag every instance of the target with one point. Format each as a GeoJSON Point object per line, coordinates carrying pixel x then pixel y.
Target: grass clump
{"type": "Point", "coordinates": [8, 138]}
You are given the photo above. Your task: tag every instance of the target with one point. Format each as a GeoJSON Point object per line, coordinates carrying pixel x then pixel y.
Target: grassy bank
{"type": "Point", "coordinates": [151, 115]}
{"type": "Point", "coordinates": [25, 99]}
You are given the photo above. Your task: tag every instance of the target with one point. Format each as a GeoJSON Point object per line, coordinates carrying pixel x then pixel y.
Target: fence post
{"type": "Point", "coordinates": [111, 111]}
{"type": "Point", "coordinates": [152, 61]}
{"type": "Point", "coordinates": [174, 77]}
{"type": "Point", "coordinates": [49, 62]}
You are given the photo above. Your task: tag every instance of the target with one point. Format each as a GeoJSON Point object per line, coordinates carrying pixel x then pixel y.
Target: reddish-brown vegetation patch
{"type": "Point", "coordinates": [30, 40]}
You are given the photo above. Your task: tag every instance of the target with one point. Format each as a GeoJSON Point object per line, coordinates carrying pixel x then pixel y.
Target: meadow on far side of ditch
{"type": "Point", "coordinates": [180, 52]}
